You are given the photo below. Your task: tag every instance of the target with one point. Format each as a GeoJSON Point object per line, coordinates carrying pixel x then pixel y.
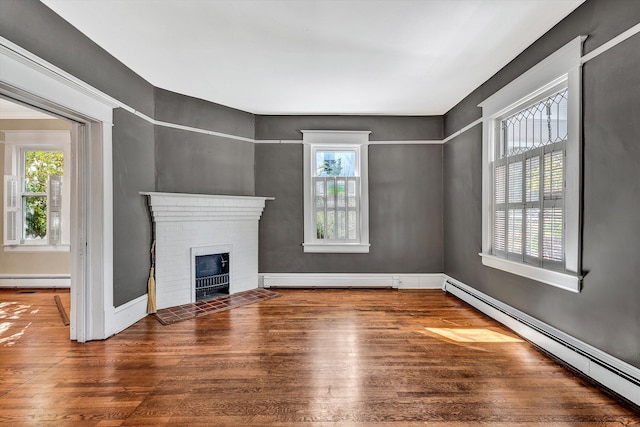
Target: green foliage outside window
{"type": "Point", "coordinates": [39, 166]}
{"type": "Point", "coordinates": [331, 167]}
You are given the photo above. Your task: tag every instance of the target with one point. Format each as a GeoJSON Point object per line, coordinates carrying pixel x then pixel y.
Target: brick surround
{"type": "Point", "coordinates": [187, 221]}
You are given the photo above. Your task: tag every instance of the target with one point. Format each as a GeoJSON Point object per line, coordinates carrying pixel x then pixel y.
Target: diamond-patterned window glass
{"type": "Point", "coordinates": [529, 184]}
{"type": "Point", "coordinates": [541, 124]}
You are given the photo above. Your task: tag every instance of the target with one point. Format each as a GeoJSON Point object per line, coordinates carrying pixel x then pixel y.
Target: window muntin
{"type": "Point", "coordinates": [41, 174]}
{"type": "Point", "coordinates": [37, 196]}
{"type": "Point", "coordinates": [335, 185]}
{"type": "Point", "coordinates": [528, 216]}
{"type": "Point", "coordinates": [547, 208]}
{"type": "Point", "coordinates": [336, 216]}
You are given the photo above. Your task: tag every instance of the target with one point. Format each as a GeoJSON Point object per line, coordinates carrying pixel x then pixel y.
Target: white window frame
{"type": "Point", "coordinates": [562, 68]}
{"type": "Point", "coordinates": [319, 140]}
{"type": "Point", "coordinates": [17, 143]}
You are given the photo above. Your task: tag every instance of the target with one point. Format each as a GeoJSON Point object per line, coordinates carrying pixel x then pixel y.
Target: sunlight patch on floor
{"type": "Point", "coordinates": [473, 335]}
{"type": "Point", "coordinates": [12, 339]}
{"type": "Point", "coordinates": [12, 311]}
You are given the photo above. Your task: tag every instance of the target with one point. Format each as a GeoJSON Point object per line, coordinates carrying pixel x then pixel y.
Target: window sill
{"type": "Point", "coordinates": [37, 248]}
{"type": "Point", "coordinates": [337, 248]}
{"type": "Point", "coordinates": [566, 281]}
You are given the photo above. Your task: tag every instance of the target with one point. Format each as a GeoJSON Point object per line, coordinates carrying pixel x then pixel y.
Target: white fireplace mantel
{"type": "Point", "coordinates": [183, 222]}
{"type": "Point", "coordinates": [204, 207]}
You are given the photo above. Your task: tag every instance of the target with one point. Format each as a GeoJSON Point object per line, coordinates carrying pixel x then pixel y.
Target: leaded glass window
{"type": "Point", "coordinates": [529, 184]}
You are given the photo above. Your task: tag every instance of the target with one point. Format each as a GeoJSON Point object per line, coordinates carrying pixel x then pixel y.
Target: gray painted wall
{"type": "Point", "coordinates": [601, 20]}
{"type": "Point", "coordinates": [605, 314]}
{"type": "Point", "coordinates": [383, 128]}
{"type": "Point", "coordinates": [133, 171]}
{"type": "Point", "coordinates": [406, 181]}
{"type": "Point", "coordinates": [188, 111]}
{"type": "Point", "coordinates": [190, 162]}
{"type": "Point", "coordinates": [33, 26]}
{"type": "Point", "coordinates": [405, 197]}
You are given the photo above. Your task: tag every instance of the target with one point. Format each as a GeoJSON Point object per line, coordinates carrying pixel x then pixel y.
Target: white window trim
{"type": "Point", "coordinates": [563, 67]}
{"type": "Point", "coordinates": [16, 142]}
{"type": "Point", "coordinates": [338, 140]}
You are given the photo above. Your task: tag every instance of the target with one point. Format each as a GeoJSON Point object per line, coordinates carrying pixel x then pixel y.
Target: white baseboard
{"type": "Point", "coordinates": [35, 281]}
{"type": "Point", "coordinates": [351, 280]}
{"type": "Point", "coordinates": [613, 373]}
{"type": "Point", "coordinates": [128, 314]}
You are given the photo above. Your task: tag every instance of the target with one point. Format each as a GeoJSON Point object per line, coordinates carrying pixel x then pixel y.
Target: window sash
{"type": "Point", "coordinates": [526, 218]}
{"type": "Point", "coordinates": [561, 69]}
{"type": "Point", "coordinates": [336, 141]}
{"type": "Point", "coordinates": [336, 214]}
{"type": "Point", "coordinates": [17, 198]}
{"type": "Point", "coordinates": [12, 210]}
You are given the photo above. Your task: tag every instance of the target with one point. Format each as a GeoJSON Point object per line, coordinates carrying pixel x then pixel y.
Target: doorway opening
{"type": "Point", "coordinates": [40, 165]}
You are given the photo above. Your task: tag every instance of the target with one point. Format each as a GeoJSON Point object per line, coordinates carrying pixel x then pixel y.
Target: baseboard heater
{"type": "Point", "coordinates": [35, 281]}
{"type": "Point", "coordinates": [613, 373]}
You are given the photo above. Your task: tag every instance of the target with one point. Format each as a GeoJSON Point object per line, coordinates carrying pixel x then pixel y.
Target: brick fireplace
{"type": "Point", "coordinates": [189, 225]}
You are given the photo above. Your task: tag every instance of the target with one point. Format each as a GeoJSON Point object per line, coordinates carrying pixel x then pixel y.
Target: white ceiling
{"type": "Point", "coordinates": [397, 57]}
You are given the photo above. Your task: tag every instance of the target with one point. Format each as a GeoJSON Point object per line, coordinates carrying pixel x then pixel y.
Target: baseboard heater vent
{"type": "Point", "coordinates": [550, 338]}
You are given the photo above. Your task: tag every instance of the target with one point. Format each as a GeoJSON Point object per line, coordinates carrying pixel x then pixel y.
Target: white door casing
{"type": "Point", "coordinates": [29, 78]}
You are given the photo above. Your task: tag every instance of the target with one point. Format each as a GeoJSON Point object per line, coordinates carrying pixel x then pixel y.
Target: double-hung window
{"type": "Point", "coordinates": [531, 172]}
{"type": "Point", "coordinates": [36, 203]}
{"type": "Point", "coordinates": [336, 195]}
{"type": "Point", "coordinates": [528, 182]}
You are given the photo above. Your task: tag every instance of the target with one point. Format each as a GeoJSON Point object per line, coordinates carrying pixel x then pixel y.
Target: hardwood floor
{"type": "Point", "coordinates": [308, 357]}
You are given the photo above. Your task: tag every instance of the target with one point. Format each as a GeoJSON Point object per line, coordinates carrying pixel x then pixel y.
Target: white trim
{"type": "Point", "coordinates": [193, 129]}
{"type": "Point", "coordinates": [128, 314]}
{"type": "Point", "coordinates": [607, 370]}
{"type": "Point", "coordinates": [66, 76]}
{"type": "Point", "coordinates": [558, 279]}
{"type": "Point", "coordinates": [409, 142]}
{"type": "Point", "coordinates": [35, 281]}
{"type": "Point", "coordinates": [26, 247]}
{"type": "Point", "coordinates": [331, 139]}
{"type": "Point", "coordinates": [92, 234]}
{"type": "Point", "coordinates": [17, 142]}
{"type": "Point", "coordinates": [560, 69]}
{"type": "Point", "coordinates": [39, 138]}
{"type": "Point", "coordinates": [186, 207]}
{"type": "Point", "coordinates": [337, 248]}
{"type": "Point", "coordinates": [278, 141]}
{"type": "Point", "coordinates": [612, 43]}
{"type": "Point", "coordinates": [341, 137]}
{"type": "Point", "coordinates": [381, 142]}
{"type": "Point", "coordinates": [352, 280]}
{"type": "Point", "coordinates": [463, 130]}
{"type": "Point", "coordinates": [535, 80]}
{"type": "Point", "coordinates": [588, 57]}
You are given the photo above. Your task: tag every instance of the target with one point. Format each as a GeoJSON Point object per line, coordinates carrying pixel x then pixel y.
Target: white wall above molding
{"type": "Point", "coordinates": [352, 280]}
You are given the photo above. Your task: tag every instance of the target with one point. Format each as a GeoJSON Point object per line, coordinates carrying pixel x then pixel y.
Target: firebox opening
{"type": "Point", "coordinates": [212, 276]}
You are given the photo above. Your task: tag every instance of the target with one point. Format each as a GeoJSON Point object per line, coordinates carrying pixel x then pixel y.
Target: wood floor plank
{"type": "Point", "coordinates": [310, 357]}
